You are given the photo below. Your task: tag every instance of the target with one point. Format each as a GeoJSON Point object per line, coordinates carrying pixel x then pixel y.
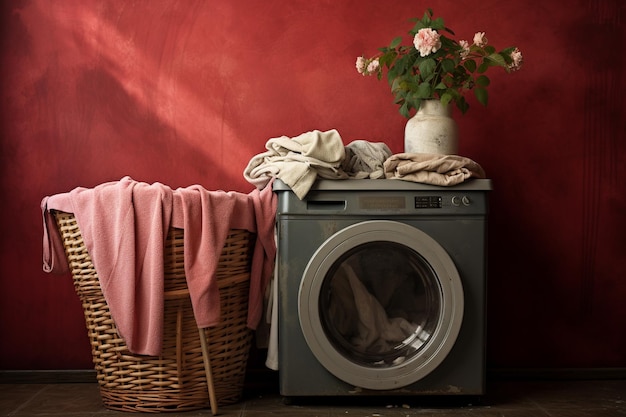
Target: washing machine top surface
{"type": "Point", "coordinates": [384, 197]}
{"type": "Point", "coordinates": [474, 184]}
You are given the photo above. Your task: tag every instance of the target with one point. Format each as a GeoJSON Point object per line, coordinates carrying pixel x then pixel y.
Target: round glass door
{"type": "Point", "coordinates": [380, 304]}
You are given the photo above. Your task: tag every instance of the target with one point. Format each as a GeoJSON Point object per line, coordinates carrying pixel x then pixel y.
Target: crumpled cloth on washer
{"type": "Point", "coordinates": [298, 161]}
{"type": "Point", "coordinates": [432, 169]}
{"type": "Point", "coordinates": [365, 159]}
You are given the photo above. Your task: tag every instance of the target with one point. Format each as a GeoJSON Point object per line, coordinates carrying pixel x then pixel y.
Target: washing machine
{"type": "Point", "coordinates": [381, 288]}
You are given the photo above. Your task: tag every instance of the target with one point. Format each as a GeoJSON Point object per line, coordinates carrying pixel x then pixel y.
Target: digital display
{"type": "Point", "coordinates": [427, 202]}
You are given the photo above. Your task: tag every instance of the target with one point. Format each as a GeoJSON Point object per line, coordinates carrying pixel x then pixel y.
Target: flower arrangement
{"type": "Point", "coordinates": [436, 66]}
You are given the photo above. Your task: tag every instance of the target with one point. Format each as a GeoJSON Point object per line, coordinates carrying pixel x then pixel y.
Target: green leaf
{"type": "Point", "coordinates": [387, 58]}
{"type": "Point", "coordinates": [394, 84]}
{"type": "Point", "coordinates": [483, 67]}
{"type": "Point", "coordinates": [412, 84]}
{"type": "Point", "coordinates": [403, 64]}
{"type": "Point", "coordinates": [415, 104]}
{"type": "Point", "coordinates": [395, 42]}
{"type": "Point", "coordinates": [423, 91]}
{"type": "Point", "coordinates": [437, 24]}
{"type": "Point", "coordinates": [496, 59]}
{"type": "Point", "coordinates": [462, 104]}
{"type": "Point", "coordinates": [446, 98]}
{"type": "Point", "coordinates": [404, 110]}
{"type": "Point", "coordinates": [470, 65]}
{"type": "Point", "coordinates": [399, 96]}
{"type": "Point", "coordinates": [447, 65]}
{"type": "Point", "coordinates": [392, 79]}
{"type": "Point", "coordinates": [481, 95]}
{"type": "Point", "coordinates": [427, 67]}
{"type": "Point", "coordinates": [427, 15]}
{"type": "Point", "coordinates": [482, 81]}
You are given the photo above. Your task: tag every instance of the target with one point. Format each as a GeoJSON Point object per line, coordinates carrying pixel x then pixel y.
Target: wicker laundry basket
{"type": "Point", "coordinates": [182, 378]}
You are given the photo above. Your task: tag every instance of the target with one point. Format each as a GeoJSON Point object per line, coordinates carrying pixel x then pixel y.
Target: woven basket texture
{"type": "Point", "coordinates": [175, 381]}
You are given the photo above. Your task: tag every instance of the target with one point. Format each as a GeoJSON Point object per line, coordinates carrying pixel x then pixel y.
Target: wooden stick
{"type": "Point", "coordinates": [207, 370]}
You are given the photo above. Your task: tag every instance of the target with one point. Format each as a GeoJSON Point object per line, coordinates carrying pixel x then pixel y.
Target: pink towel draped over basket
{"type": "Point", "coordinates": [124, 226]}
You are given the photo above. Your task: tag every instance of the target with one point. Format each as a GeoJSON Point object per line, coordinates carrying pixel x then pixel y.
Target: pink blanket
{"type": "Point", "coordinates": [124, 225]}
{"type": "Point", "coordinates": [207, 218]}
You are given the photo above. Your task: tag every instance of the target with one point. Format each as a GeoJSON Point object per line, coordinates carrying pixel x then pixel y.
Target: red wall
{"type": "Point", "coordinates": [186, 92]}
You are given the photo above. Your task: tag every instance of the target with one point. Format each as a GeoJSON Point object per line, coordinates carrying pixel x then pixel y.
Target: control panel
{"type": "Point", "coordinates": [434, 202]}
{"type": "Point", "coordinates": [385, 198]}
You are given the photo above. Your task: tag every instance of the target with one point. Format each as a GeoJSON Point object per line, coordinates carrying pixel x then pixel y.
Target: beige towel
{"type": "Point", "coordinates": [432, 169]}
{"type": "Point", "coordinates": [298, 161]}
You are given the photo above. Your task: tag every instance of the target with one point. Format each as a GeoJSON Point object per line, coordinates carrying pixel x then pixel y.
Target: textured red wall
{"type": "Point", "coordinates": [186, 92]}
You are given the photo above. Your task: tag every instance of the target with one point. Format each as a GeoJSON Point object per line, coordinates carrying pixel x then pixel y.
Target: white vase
{"type": "Point", "coordinates": [432, 130]}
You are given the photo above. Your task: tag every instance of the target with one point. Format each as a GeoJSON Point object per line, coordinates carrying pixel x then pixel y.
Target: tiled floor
{"type": "Point", "coordinates": [504, 398]}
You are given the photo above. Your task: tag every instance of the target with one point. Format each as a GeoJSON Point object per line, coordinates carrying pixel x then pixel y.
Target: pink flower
{"type": "Point", "coordinates": [517, 58]}
{"type": "Point", "coordinates": [426, 41]}
{"type": "Point", "coordinates": [479, 39]}
{"type": "Point", "coordinates": [373, 66]}
{"type": "Point", "coordinates": [367, 67]}
{"type": "Point", "coordinates": [465, 49]}
{"type": "Point", "coordinates": [360, 65]}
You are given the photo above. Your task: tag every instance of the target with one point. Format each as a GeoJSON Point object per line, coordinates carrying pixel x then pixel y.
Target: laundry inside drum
{"type": "Point", "coordinates": [380, 304]}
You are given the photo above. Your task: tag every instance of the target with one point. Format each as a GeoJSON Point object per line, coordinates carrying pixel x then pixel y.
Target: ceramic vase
{"type": "Point", "coordinates": [432, 130]}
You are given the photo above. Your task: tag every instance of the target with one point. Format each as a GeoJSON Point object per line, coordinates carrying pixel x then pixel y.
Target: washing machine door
{"type": "Point", "coordinates": [380, 304]}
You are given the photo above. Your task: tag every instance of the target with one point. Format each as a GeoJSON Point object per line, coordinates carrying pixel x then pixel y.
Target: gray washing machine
{"type": "Point", "coordinates": [382, 288]}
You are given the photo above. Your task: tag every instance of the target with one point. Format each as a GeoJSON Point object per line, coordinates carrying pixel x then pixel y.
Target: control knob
{"type": "Point", "coordinates": [457, 201]}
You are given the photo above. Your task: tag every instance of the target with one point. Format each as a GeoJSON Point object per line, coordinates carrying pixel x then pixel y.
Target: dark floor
{"type": "Point", "coordinates": [504, 398]}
